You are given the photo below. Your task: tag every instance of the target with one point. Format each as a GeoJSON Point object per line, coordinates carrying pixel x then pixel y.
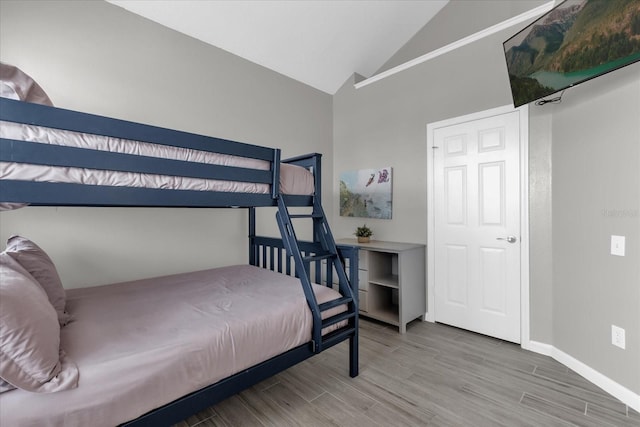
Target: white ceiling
{"type": "Point", "coordinates": [318, 42]}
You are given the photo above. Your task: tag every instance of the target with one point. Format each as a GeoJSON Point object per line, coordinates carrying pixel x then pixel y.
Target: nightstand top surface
{"type": "Point", "coordinates": [381, 245]}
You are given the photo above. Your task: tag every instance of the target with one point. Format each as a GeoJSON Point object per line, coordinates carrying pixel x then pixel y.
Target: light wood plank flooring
{"type": "Point", "coordinates": [435, 375]}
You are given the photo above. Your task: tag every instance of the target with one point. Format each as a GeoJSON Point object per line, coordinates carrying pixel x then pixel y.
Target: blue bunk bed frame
{"type": "Point", "coordinates": [321, 255]}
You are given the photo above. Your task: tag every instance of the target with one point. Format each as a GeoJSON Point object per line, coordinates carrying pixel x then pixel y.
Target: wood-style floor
{"type": "Point", "coordinates": [435, 375]}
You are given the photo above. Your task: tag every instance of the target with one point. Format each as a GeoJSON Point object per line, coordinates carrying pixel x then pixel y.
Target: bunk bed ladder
{"type": "Point", "coordinates": [324, 249]}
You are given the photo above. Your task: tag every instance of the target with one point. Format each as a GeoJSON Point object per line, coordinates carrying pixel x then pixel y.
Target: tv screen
{"type": "Point", "coordinates": [574, 42]}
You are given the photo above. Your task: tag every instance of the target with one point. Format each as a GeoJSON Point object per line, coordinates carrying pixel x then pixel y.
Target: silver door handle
{"type": "Point", "coordinates": [510, 239]}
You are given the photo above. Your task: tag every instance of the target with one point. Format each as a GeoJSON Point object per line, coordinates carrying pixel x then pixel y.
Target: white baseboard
{"type": "Point", "coordinates": [619, 391]}
{"type": "Point", "coordinates": [538, 347]}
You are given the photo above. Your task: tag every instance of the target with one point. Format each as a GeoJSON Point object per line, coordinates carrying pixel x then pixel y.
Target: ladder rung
{"type": "Point", "coordinates": [337, 318]}
{"type": "Point", "coordinates": [319, 257]}
{"type": "Point", "coordinates": [334, 303]}
{"type": "Point", "coordinates": [335, 337]}
{"type": "Point", "coordinates": [306, 216]}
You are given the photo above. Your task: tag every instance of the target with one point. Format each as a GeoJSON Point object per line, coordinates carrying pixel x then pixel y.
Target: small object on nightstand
{"type": "Point", "coordinates": [363, 234]}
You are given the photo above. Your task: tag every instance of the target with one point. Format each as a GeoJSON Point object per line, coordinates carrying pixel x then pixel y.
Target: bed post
{"type": "Point", "coordinates": [317, 174]}
{"type": "Point", "coordinates": [253, 250]}
{"type": "Point", "coordinates": [351, 253]}
{"type": "Point", "coordinates": [275, 168]}
{"type": "Point", "coordinates": [353, 339]}
{"type": "Point", "coordinates": [353, 354]}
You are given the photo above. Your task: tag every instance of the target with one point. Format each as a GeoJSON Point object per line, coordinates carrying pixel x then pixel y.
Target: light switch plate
{"type": "Point", "coordinates": [617, 245]}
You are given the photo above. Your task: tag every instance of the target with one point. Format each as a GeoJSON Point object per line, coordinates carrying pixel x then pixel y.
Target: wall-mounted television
{"type": "Point", "coordinates": [575, 41]}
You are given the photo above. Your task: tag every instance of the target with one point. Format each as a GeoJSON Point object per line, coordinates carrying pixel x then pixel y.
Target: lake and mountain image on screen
{"type": "Point", "coordinates": [574, 42]}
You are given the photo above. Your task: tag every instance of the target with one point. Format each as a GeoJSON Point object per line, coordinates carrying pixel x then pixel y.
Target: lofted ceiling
{"type": "Point", "coordinates": [318, 42]}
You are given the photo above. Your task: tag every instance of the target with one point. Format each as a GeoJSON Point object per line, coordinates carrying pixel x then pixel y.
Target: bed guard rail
{"type": "Point", "coordinates": [65, 193]}
{"type": "Point", "coordinates": [270, 253]}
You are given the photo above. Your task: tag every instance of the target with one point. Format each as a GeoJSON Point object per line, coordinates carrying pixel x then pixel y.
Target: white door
{"type": "Point", "coordinates": [477, 225]}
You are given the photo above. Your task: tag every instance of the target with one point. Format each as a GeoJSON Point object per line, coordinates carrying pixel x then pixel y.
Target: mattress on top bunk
{"type": "Point", "coordinates": [140, 345]}
{"type": "Point", "coordinates": [294, 180]}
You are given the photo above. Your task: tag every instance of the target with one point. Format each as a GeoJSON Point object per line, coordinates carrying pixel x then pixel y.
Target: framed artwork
{"type": "Point", "coordinates": [366, 193]}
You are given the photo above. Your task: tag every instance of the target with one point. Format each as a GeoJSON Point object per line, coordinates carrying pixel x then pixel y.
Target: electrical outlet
{"type": "Point", "coordinates": [617, 336]}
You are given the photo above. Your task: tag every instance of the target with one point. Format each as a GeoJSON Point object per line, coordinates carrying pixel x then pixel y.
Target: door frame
{"type": "Point", "coordinates": [523, 114]}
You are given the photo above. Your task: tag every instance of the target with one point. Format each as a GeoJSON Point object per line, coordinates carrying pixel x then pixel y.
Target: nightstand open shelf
{"type": "Point", "coordinates": [390, 281]}
{"type": "Point", "coordinates": [381, 304]}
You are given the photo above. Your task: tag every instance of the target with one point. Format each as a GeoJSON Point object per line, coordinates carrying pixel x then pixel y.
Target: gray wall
{"type": "Point", "coordinates": [596, 194]}
{"type": "Point", "coordinates": [95, 57]}
{"type": "Point", "coordinates": [583, 159]}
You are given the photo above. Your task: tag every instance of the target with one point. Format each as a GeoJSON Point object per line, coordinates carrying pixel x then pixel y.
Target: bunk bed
{"type": "Point", "coordinates": [41, 166]}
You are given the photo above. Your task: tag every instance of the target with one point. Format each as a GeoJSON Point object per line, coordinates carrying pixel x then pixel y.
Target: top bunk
{"type": "Point", "coordinates": [55, 157]}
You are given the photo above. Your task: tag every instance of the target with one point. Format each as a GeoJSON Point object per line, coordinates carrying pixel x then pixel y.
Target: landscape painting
{"type": "Point", "coordinates": [576, 41]}
{"type": "Point", "coordinates": [366, 193]}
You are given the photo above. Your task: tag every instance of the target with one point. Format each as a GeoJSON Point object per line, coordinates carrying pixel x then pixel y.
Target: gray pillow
{"type": "Point", "coordinates": [30, 355]}
{"type": "Point", "coordinates": [16, 84]}
{"type": "Point", "coordinates": [5, 386]}
{"type": "Point", "coordinates": [39, 265]}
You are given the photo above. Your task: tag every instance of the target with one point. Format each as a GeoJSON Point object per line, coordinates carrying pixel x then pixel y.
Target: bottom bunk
{"type": "Point", "coordinates": [154, 351]}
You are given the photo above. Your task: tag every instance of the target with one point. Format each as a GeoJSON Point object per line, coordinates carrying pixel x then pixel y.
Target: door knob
{"type": "Point", "coordinates": [510, 239]}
